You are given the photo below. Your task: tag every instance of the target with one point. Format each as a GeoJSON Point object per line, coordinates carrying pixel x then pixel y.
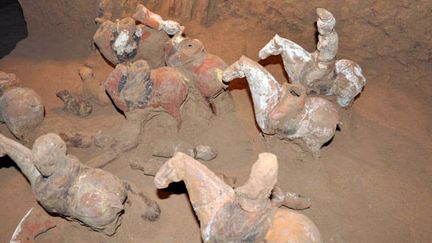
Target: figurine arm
{"type": "Point", "coordinates": [21, 155]}
{"type": "Point", "coordinates": [155, 21]}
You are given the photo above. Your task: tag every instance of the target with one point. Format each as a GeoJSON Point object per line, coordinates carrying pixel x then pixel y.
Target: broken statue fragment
{"type": "Point", "coordinates": [319, 71]}
{"type": "Point", "coordinates": [285, 109]}
{"type": "Point", "coordinates": [243, 214]}
{"type": "Point", "coordinates": [64, 186]}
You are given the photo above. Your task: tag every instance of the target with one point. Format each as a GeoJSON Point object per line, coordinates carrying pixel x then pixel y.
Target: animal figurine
{"type": "Point", "coordinates": [92, 89]}
{"type": "Point", "coordinates": [135, 86]}
{"type": "Point", "coordinates": [74, 104]}
{"type": "Point", "coordinates": [124, 40]}
{"type": "Point", "coordinates": [285, 109]}
{"type": "Point", "coordinates": [64, 186]}
{"type": "Point", "coordinates": [319, 71]}
{"type": "Point", "coordinates": [190, 55]}
{"type": "Point", "coordinates": [243, 214]}
{"type": "Point", "coordinates": [20, 108]}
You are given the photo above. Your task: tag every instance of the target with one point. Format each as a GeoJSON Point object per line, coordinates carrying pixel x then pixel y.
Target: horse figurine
{"type": "Point", "coordinates": [243, 214]}
{"type": "Point", "coordinates": [285, 109]}
{"type": "Point", "coordinates": [319, 71]}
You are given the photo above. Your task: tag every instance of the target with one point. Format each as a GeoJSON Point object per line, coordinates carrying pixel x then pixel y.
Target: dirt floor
{"type": "Point", "coordinates": [372, 183]}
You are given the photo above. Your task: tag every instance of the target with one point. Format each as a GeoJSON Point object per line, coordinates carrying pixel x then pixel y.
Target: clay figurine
{"type": "Point", "coordinates": [64, 186]}
{"type": "Point", "coordinates": [74, 103]}
{"type": "Point", "coordinates": [20, 108]}
{"type": "Point", "coordinates": [190, 55]}
{"type": "Point", "coordinates": [92, 89]}
{"type": "Point", "coordinates": [243, 214]}
{"type": "Point", "coordinates": [135, 86]}
{"type": "Point", "coordinates": [285, 109]}
{"type": "Point", "coordinates": [319, 71]}
{"type": "Point", "coordinates": [124, 40]}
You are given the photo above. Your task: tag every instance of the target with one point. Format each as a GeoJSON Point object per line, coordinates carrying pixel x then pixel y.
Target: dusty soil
{"type": "Point", "coordinates": [372, 183]}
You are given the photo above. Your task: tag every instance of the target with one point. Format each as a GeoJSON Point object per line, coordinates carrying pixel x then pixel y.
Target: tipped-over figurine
{"type": "Point", "coordinates": [124, 40]}
{"type": "Point", "coordinates": [134, 86]}
{"type": "Point", "coordinates": [190, 55]}
{"type": "Point", "coordinates": [319, 71]}
{"type": "Point", "coordinates": [285, 109]}
{"type": "Point", "coordinates": [20, 108]}
{"type": "Point", "coordinates": [243, 214]}
{"type": "Point", "coordinates": [64, 186]}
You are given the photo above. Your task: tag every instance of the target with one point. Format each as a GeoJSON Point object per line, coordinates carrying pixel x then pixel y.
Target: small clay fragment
{"type": "Point", "coordinates": [64, 186]}
{"type": "Point", "coordinates": [289, 199]}
{"type": "Point", "coordinates": [243, 214]}
{"type": "Point", "coordinates": [149, 209]}
{"type": "Point", "coordinates": [76, 139]}
{"type": "Point", "coordinates": [167, 149]}
{"type": "Point", "coordinates": [74, 104]}
{"type": "Point", "coordinates": [102, 140]}
{"type": "Point", "coordinates": [148, 167]}
{"type": "Point", "coordinates": [205, 152]}
{"type": "Point", "coordinates": [284, 109]}
{"type": "Point", "coordinates": [34, 223]}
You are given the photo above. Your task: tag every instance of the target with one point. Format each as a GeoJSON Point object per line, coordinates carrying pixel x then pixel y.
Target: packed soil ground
{"type": "Point", "coordinates": [372, 183]}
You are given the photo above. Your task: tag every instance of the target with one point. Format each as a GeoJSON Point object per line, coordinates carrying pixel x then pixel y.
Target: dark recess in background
{"type": "Point", "coordinates": [13, 27]}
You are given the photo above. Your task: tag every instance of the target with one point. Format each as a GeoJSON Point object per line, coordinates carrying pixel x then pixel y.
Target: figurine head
{"type": "Point", "coordinates": [172, 171]}
{"type": "Point", "coordinates": [326, 22]}
{"type": "Point", "coordinates": [184, 52]}
{"type": "Point", "coordinates": [47, 151]}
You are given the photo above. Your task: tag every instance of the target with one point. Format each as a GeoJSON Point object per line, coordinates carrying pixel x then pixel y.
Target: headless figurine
{"type": "Point", "coordinates": [124, 40]}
